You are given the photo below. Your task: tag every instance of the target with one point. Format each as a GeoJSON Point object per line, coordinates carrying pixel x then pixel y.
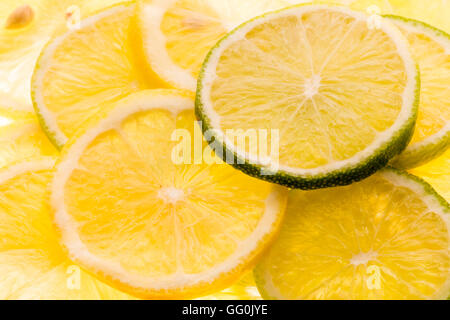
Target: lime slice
{"type": "Point", "coordinates": [387, 237]}
{"type": "Point", "coordinates": [431, 49]}
{"type": "Point", "coordinates": [130, 213]}
{"type": "Point", "coordinates": [81, 71]}
{"type": "Point", "coordinates": [25, 27]}
{"type": "Point", "coordinates": [177, 34]}
{"type": "Point", "coordinates": [32, 264]}
{"type": "Point", "coordinates": [337, 97]}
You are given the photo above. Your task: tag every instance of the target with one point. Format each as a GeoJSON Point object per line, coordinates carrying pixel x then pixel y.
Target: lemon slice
{"type": "Point", "coordinates": [32, 264]}
{"type": "Point", "coordinates": [131, 214]}
{"type": "Point", "coordinates": [431, 49]}
{"type": "Point", "coordinates": [84, 69]}
{"type": "Point", "coordinates": [335, 98]}
{"type": "Point", "coordinates": [21, 137]}
{"type": "Point", "coordinates": [437, 173]}
{"type": "Point", "coordinates": [25, 27]}
{"type": "Point", "coordinates": [386, 237]}
{"type": "Point", "coordinates": [177, 34]}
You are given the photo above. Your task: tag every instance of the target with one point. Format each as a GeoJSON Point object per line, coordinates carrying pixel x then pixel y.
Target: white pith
{"type": "Point", "coordinates": [399, 180]}
{"type": "Point", "coordinates": [80, 252]}
{"type": "Point", "coordinates": [405, 114]}
{"type": "Point", "coordinates": [43, 65]}
{"type": "Point", "coordinates": [24, 167]}
{"type": "Point", "coordinates": [443, 41]}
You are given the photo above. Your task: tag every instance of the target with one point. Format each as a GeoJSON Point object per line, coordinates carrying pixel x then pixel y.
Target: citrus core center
{"type": "Point", "coordinates": [312, 86]}
{"type": "Point", "coordinates": [363, 258]}
{"type": "Point", "coordinates": [171, 195]}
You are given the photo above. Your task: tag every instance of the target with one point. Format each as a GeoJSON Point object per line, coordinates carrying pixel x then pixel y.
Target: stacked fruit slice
{"type": "Point", "coordinates": [25, 27]}
{"type": "Point", "coordinates": [148, 206]}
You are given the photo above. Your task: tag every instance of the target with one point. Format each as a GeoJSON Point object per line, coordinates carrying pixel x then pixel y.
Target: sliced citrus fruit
{"type": "Point", "coordinates": [84, 69]}
{"type": "Point", "coordinates": [386, 237]}
{"type": "Point", "coordinates": [32, 264]}
{"type": "Point", "coordinates": [437, 173]}
{"type": "Point", "coordinates": [244, 289]}
{"type": "Point", "coordinates": [128, 212]}
{"type": "Point", "coordinates": [340, 97]}
{"type": "Point", "coordinates": [25, 27]}
{"type": "Point", "coordinates": [431, 49]}
{"type": "Point", "coordinates": [177, 34]}
{"type": "Point", "coordinates": [21, 137]}
{"type": "Point", "coordinates": [434, 12]}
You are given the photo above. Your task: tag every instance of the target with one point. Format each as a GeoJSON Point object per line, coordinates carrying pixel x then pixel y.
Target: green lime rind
{"type": "Point", "coordinates": [341, 177]}
{"type": "Point", "coordinates": [434, 146]}
{"type": "Point", "coordinates": [428, 190]}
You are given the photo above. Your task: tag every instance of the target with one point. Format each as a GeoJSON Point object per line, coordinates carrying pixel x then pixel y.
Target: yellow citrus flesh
{"type": "Point", "coordinates": [384, 238]}
{"type": "Point", "coordinates": [437, 173]}
{"type": "Point", "coordinates": [177, 34]}
{"type": "Point", "coordinates": [331, 85]}
{"type": "Point", "coordinates": [154, 228]}
{"type": "Point", "coordinates": [431, 49]}
{"type": "Point", "coordinates": [21, 137]}
{"type": "Point", "coordinates": [244, 289]}
{"type": "Point", "coordinates": [32, 264]}
{"type": "Point", "coordinates": [434, 62]}
{"type": "Point", "coordinates": [20, 45]}
{"type": "Point", "coordinates": [434, 12]}
{"type": "Point", "coordinates": [82, 71]}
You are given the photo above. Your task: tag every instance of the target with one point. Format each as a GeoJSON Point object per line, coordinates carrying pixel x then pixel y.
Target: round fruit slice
{"type": "Point", "coordinates": [387, 237]}
{"type": "Point", "coordinates": [177, 34]}
{"type": "Point", "coordinates": [338, 98]}
{"type": "Point", "coordinates": [21, 137]}
{"type": "Point", "coordinates": [437, 173]}
{"type": "Point", "coordinates": [32, 264]}
{"type": "Point", "coordinates": [25, 27]}
{"type": "Point", "coordinates": [85, 69]}
{"type": "Point", "coordinates": [434, 12]}
{"type": "Point", "coordinates": [135, 209]}
{"type": "Point", "coordinates": [431, 49]}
